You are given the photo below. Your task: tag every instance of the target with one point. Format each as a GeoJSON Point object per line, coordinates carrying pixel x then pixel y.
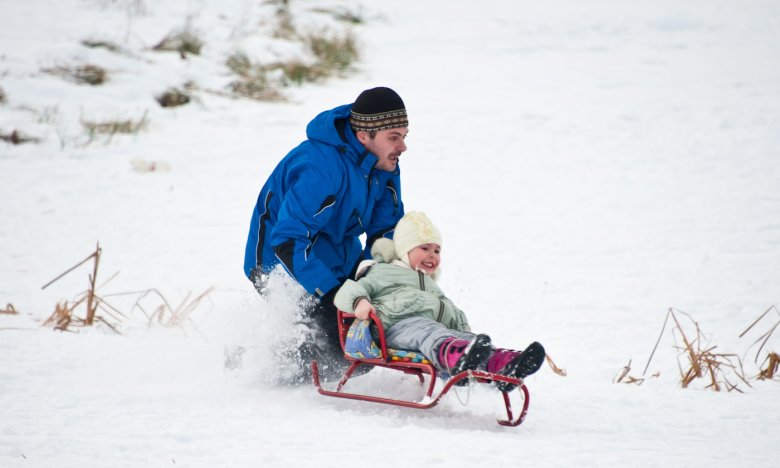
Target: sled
{"type": "Point", "coordinates": [392, 359]}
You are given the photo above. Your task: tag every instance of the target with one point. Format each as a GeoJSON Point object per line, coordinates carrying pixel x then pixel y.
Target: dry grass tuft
{"type": "Point", "coordinates": [253, 82]}
{"type": "Point", "coordinates": [257, 88]}
{"type": "Point", "coordinates": [624, 377]}
{"type": "Point", "coordinates": [9, 310]}
{"type": "Point", "coordinates": [284, 27]}
{"type": "Point", "coordinates": [62, 316]}
{"type": "Point", "coordinates": [83, 74]}
{"type": "Point", "coordinates": [96, 309]}
{"type": "Point", "coordinates": [173, 97]}
{"type": "Point", "coordinates": [110, 128]}
{"type": "Point", "coordinates": [110, 46]}
{"type": "Point", "coordinates": [701, 360]}
{"type": "Point", "coordinates": [64, 313]}
{"type": "Point", "coordinates": [167, 315]}
{"type": "Point", "coordinates": [184, 42]}
{"type": "Point", "coordinates": [334, 52]}
{"type": "Point", "coordinates": [297, 72]}
{"type": "Point", "coordinates": [17, 138]}
{"type": "Point", "coordinates": [330, 53]}
{"type": "Point", "coordinates": [772, 360]}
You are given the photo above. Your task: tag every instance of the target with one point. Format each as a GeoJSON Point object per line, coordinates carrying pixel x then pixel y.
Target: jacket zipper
{"type": "Point", "coordinates": [441, 311]}
{"type": "Point", "coordinates": [421, 276]}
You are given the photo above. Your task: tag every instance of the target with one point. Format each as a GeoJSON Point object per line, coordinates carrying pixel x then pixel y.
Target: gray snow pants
{"type": "Point", "coordinates": [424, 335]}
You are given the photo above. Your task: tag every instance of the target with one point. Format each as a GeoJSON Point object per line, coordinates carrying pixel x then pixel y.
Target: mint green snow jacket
{"type": "Point", "coordinates": [398, 292]}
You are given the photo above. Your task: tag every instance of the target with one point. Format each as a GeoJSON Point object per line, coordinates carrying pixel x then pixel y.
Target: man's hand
{"type": "Point", "coordinates": [363, 308]}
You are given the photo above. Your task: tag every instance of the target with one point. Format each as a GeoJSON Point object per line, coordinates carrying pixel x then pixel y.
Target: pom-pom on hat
{"type": "Point", "coordinates": [413, 230]}
{"type": "Point", "coordinates": [378, 109]}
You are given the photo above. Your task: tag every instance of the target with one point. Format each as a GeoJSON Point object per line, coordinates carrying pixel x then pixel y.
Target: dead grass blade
{"type": "Point", "coordinates": [167, 315]}
{"type": "Point", "coordinates": [63, 315]}
{"type": "Point", "coordinates": [763, 339]}
{"type": "Point", "coordinates": [772, 366]}
{"type": "Point", "coordinates": [61, 275]}
{"type": "Point", "coordinates": [657, 342]}
{"type": "Point", "coordinates": [9, 310]}
{"type": "Point", "coordinates": [623, 376]}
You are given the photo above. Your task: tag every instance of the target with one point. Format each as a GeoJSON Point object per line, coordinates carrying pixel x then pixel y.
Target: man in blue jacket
{"type": "Point", "coordinates": [342, 182]}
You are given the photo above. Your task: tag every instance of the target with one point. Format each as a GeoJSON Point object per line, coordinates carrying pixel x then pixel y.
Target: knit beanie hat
{"type": "Point", "coordinates": [413, 230]}
{"type": "Point", "coordinates": [378, 109]}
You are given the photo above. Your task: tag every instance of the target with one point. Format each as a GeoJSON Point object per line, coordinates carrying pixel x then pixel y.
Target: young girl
{"type": "Point", "coordinates": [399, 287]}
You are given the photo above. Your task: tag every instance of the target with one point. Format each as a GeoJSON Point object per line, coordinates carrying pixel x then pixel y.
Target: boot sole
{"type": "Point", "coordinates": [528, 362]}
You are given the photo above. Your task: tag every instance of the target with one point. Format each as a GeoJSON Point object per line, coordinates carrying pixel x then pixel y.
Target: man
{"type": "Point", "coordinates": [341, 183]}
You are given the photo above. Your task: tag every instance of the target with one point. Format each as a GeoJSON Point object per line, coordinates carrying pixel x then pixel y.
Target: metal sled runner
{"type": "Point", "coordinates": [390, 360]}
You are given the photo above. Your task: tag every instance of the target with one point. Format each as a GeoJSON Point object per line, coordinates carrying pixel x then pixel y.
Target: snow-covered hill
{"type": "Point", "coordinates": [590, 164]}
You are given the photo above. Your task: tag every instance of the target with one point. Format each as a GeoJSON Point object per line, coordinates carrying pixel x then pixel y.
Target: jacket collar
{"type": "Point", "coordinates": [435, 276]}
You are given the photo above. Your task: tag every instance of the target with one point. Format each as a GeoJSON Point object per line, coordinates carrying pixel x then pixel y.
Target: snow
{"type": "Point", "coordinates": [590, 164]}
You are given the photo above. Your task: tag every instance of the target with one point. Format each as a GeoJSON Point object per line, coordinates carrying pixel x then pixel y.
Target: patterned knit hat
{"type": "Point", "coordinates": [378, 109]}
{"type": "Point", "coordinates": [413, 230]}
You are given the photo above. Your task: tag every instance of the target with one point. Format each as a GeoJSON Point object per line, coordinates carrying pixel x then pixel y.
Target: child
{"type": "Point", "coordinates": [399, 287]}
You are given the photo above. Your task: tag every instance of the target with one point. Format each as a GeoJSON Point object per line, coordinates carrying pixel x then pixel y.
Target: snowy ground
{"type": "Point", "coordinates": [590, 164]}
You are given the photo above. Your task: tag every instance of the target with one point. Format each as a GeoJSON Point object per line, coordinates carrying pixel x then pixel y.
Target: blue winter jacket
{"type": "Point", "coordinates": [317, 202]}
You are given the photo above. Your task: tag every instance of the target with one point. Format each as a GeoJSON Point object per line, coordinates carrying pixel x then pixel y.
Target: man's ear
{"type": "Point", "coordinates": [362, 136]}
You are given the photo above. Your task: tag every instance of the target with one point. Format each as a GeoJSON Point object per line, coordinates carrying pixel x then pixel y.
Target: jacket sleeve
{"type": "Point", "coordinates": [388, 210]}
{"type": "Point", "coordinates": [461, 322]}
{"type": "Point", "coordinates": [350, 291]}
{"type": "Point", "coordinates": [306, 208]}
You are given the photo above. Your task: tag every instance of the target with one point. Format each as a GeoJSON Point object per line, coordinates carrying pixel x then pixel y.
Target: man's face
{"type": "Point", "coordinates": [387, 145]}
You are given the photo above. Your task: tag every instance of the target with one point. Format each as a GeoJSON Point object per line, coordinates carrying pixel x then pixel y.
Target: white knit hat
{"type": "Point", "coordinates": [413, 230]}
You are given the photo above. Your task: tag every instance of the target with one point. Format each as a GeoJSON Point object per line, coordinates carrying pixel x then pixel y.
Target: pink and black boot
{"type": "Point", "coordinates": [515, 364]}
{"type": "Point", "coordinates": [458, 355]}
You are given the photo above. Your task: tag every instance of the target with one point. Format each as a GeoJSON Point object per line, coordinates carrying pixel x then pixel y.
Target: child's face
{"type": "Point", "coordinates": [425, 257]}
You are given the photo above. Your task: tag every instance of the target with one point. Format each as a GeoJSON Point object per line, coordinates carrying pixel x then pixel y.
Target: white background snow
{"type": "Point", "coordinates": [590, 165]}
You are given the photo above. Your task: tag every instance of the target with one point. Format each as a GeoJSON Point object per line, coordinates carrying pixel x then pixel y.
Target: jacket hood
{"type": "Point", "coordinates": [332, 128]}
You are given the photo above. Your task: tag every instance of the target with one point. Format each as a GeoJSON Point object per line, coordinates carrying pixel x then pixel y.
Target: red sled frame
{"type": "Point", "coordinates": [415, 368]}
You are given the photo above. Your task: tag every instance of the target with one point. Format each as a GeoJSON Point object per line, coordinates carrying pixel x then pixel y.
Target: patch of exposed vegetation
{"type": "Point", "coordinates": [17, 138]}
{"type": "Point", "coordinates": [284, 27]}
{"type": "Point", "coordinates": [335, 52]}
{"type": "Point", "coordinates": [83, 74]}
{"type": "Point", "coordinates": [110, 46]}
{"type": "Point", "coordinates": [253, 81]}
{"type": "Point", "coordinates": [91, 308]}
{"type": "Point", "coordinates": [343, 14]}
{"type": "Point", "coordinates": [110, 128]}
{"type": "Point", "coordinates": [771, 360]}
{"type": "Point", "coordinates": [699, 360]}
{"type": "Point", "coordinates": [184, 42]}
{"type": "Point", "coordinates": [173, 97]}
